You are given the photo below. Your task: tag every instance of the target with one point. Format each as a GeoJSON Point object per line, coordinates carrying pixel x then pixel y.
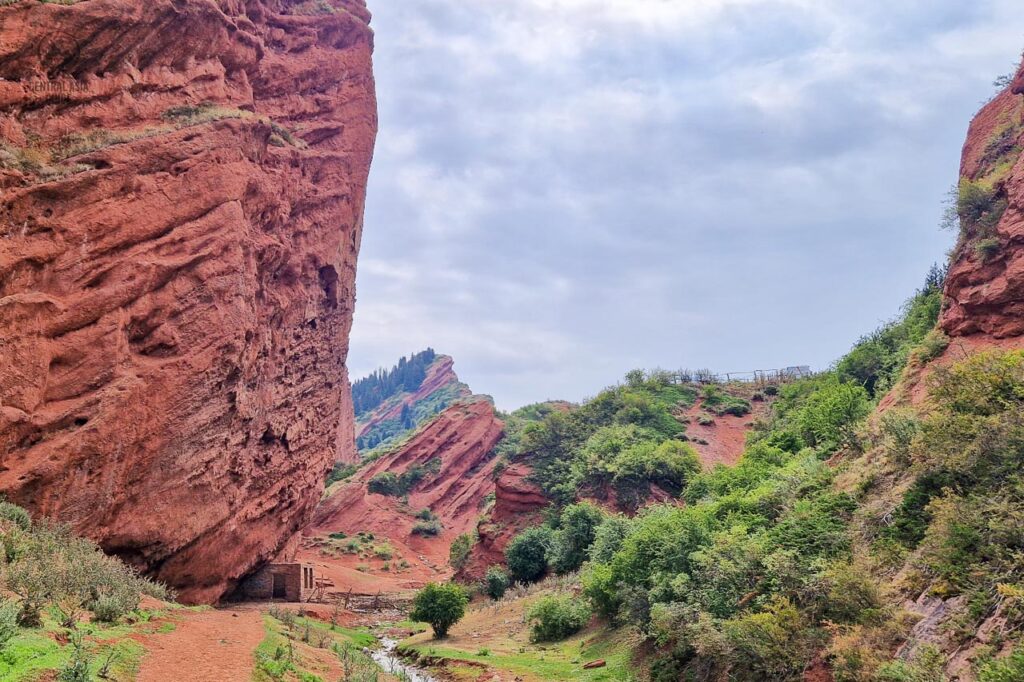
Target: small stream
{"type": "Point", "coordinates": [387, 659]}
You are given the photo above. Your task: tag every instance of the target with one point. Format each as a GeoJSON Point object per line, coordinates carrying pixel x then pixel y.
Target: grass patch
{"type": "Point", "coordinates": [560, 662]}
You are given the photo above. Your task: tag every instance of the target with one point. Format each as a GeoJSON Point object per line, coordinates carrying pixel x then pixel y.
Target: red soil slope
{"type": "Point", "coordinates": [462, 438]}
{"type": "Point", "coordinates": [722, 442]}
{"type": "Point", "coordinates": [176, 294]}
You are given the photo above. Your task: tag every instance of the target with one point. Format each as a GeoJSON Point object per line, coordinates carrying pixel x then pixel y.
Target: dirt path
{"type": "Point", "coordinates": [209, 646]}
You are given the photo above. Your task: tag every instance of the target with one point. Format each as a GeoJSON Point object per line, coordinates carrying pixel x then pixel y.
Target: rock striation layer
{"type": "Point", "coordinates": [182, 195]}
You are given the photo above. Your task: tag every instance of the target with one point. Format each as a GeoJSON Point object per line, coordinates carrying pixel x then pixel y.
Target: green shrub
{"type": "Point", "coordinates": [828, 417]}
{"type": "Point", "coordinates": [601, 589]}
{"type": "Point", "coordinates": [878, 359]}
{"type": "Point", "coordinates": [425, 514]}
{"type": "Point", "coordinates": [10, 610]}
{"type": "Point", "coordinates": [459, 552]}
{"type": "Point", "coordinates": [527, 554]}
{"type": "Point", "coordinates": [109, 608]}
{"type": "Point", "coordinates": [441, 606]}
{"type": "Point", "coordinates": [608, 538]}
{"type": "Point", "coordinates": [16, 515]}
{"type": "Point", "coordinates": [399, 485]}
{"type": "Point", "coordinates": [987, 248]}
{"type": "Point", "coordinates": [555, 618]}
{"type": "Point", "coordinates": [927, 666]}
{"type": "Point", "coordinates": [578, 526]}
{"type": "Point", "coordinates": [427, 528]}
{"type": "Point", "coordinates": [76, 669]}
{"type": "Point", "coordinates": [979, 205]}
{"type": "Point", "coordinates": [1009, 669]}
{"type": "Point", "coordinates": [53, 567]}
{"type": "Point", "coordinates": [721, 403]}
{"type": "Point", "coordinates": [385, 483]}
{"type": "Point", "coordinates": [496, 582]}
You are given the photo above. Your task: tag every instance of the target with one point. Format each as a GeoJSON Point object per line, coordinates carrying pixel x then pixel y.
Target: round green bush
{"type": "Point", "coordinates": [527, 554]}
{"type": "Point", "coordinates": [555, 618]}
{"type": "Point", "coordinates": [496, 582]}
{"type": "Point", "coordinates": [442, 606]}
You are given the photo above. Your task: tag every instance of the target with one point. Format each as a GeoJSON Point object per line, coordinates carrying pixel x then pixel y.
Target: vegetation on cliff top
{"type": "Point", "coordinates": [370, 392]}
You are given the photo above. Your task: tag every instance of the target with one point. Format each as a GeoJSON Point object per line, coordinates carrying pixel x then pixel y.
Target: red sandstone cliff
{"type": "Point", "coordinates": [462, 440]}
{"type": "Point", "coordinates": [985, 285]}
{"type": "Point", "coordinates": [182, 196]}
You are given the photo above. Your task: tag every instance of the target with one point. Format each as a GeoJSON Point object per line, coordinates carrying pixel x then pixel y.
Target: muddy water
{"type": "Point", "coordinates": [387, 659]}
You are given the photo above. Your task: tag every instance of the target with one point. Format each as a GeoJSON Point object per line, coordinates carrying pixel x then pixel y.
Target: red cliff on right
{"type": "Point", "coordinates": [985, 284]}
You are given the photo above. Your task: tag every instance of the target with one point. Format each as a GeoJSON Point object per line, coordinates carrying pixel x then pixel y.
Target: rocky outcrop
{"type": "Point", "coordinates": [518, 504]}
{"type": "Point", "coordinates": [985, 285]}
{"type": "Point", "coordinates": [455, 452]}
{"type": "Point", "coordinates": [183, 185]}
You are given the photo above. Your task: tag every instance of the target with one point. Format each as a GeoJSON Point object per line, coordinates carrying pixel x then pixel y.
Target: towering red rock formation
{"type": "Point", "coordinates": [985, 286]}
{"type": "Point", "coordinates": [183, 185]}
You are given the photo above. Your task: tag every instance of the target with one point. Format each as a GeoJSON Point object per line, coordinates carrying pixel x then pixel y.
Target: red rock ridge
{"type": "Point", "coordinates": [985, 293]}
{"type": "Point", "coordinates": [463, 438]}
{"type": "Point", "coordinates": [440, 374]}
{"type": "Point", "coordinates": [176, 296]}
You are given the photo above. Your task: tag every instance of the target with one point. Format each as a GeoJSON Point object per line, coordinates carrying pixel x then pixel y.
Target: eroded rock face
{"type": "Point", "coordinates": [182, 197]}
{"type": "Point", "coordinates": [985, 285]}
{"type": "Point", "coordinates": [518, 503]}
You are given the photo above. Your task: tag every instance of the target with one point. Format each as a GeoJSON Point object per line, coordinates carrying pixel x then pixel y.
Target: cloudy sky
{"type": "Point", "coordinates": [567, 189]}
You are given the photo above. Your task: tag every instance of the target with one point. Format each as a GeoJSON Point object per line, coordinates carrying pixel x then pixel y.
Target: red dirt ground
{"type": "Point", "coordinates": [726, 438]}
{"type": "Point", "coordinates": [189, 652]}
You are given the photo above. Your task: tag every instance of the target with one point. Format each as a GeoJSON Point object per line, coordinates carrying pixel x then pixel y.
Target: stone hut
{"type": "Point", "coordinates": [292, 582]}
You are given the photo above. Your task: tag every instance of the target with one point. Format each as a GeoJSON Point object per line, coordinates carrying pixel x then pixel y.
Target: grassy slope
{"type": "Point", "coordinates": [496, 636]}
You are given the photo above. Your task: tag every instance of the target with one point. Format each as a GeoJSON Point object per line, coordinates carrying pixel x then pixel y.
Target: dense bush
{"type": "Point", "coordinates": [743, 582]}
{"type": "Point", "coordinates": [10, 610]}
{"type": "Point", "coordinates": [579, 448]}
{"type": "Point", "coordinates": [828, 416]}
{"type": "Point", "coordinates": [441, 606]}
{"type": "Point", "coordinates": [398, 485]}
{"type": "Point", "coordinates": [16, 515]}
{"type": "Point", "coordinates": [458, 553]}
{"type": "Point", "coordinates": [47, 565]}
{"type": "Point", "coordinates": [577, 528]}
{"type": "Point", "coordinates": [715, 400]}
{"type": "Point", "coordinates": [1009, 669]}
{"type": "Point", "coordinates": [527, 554]}
{"type": "Point", "coordinates": [496, 582]}
{"type": "Point", "coordinates": [554, 618]}
{"type": "Point", "coordinates": [608, 538]}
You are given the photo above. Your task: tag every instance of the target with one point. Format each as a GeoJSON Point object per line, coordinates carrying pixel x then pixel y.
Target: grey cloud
{"type": "Point", "coordinates": [559, 196]}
